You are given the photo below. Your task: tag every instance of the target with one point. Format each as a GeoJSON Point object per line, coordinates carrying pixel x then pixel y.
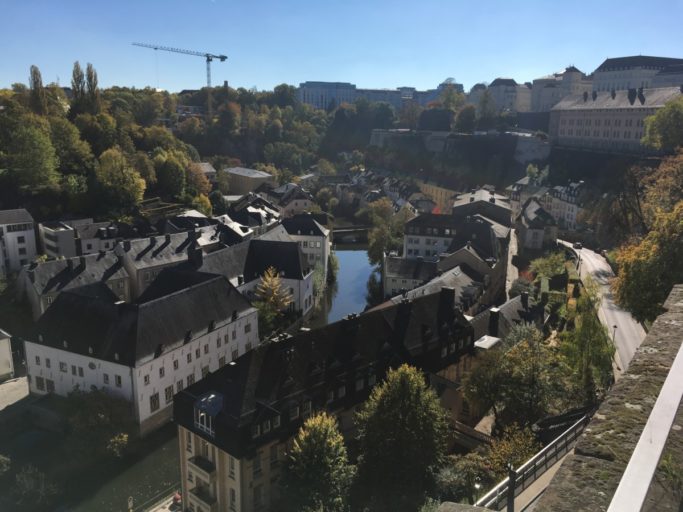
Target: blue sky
{"type": "Point", "coordinates": [372, 43]}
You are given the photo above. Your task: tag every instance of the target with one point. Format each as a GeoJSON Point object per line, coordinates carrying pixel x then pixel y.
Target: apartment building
{"type": "Point", "coordinates": [243, 180]}
{"type": "Point", "coordinates": [17, 240]}
{"type": "Point", "coordinates": [611, 122]}
{"type": "Point", "coordinates": [184, 326]}
{"type": "Point", "coordinates": [483, 202]}
{"type": "Point", "coordinates": [546, 92]}
{"type": "Point", "coordinates": [509, 96]}
{"type": "Point", "coordinates": [235, 426]}
{"type": "Point", "coordinates": [69, 238]}
{"type": "Point", "coordinates": [314, 239]}
{"type": "Point", "coordinates": [6, 360]}
{"type": "Point", "coordinates": [535, 227]}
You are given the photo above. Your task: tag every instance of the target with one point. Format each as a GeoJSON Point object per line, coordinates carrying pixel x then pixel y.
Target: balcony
{"type": "Point", "coordinates": [202, 467]}
{"type": "Point", "coordinates": [203, 498]}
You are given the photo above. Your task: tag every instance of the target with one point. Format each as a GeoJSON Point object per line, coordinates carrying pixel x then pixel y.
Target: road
{"type": "Point", "coordinates": [629, 334]}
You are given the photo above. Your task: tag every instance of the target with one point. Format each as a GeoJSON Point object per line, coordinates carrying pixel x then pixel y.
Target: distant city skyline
{"type": "Point", "coordinates": [377, 44]}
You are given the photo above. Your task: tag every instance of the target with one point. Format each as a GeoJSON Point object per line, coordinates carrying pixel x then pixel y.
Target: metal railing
{"type": "Point", "coordinates": [531, 470]}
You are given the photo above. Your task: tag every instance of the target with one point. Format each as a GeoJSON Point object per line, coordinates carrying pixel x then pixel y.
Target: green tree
{"type": "Point", "coordinates": [197, 182]}
{"type": "Point", "coordinates": [549, 266]}
{"type": "Point", "coordinates": [451, 99]}
{"type": "Point", "coordinates": [31, 158]}
{"type": "Point", "coordinates": [483, 388]}
{"type": "Point", "coordinates": [202, 204]}
{"type": "Point", "coordinates": [464, 477]}
{"type": "Point", "coordinates": [33, 488]}
{"type": "Point", "coordinates": [466, 119]}
{"type": "Point", "coordinates": [170, 173]}
{"type": "Point", "coordinates": [78, 91]}
{"type": "Point", "coordinates": [92, 91]}
{"type": "Point", "coordinates": [271, 290]}
{"type": "Point", "coordinates": [589, 348]}
{"type": "Point", "coordinates": [642, 284]}
{"type": "Point", "coordinates": [73, 153]}
{"type": "Point", "coordinates": [99, 131]}
{"type": "Point", "coordinates": [520, 285]}
{"type": "Point", "coordinates": [515, 446]}
{"type": "Point", "coordinates": [38, 97]}
{"type": "Point", "coordinates": [317, 474]}
{"type": "Point", "coordinates": [120, 186]}
{"type": "Point", "coordinates": [402, 433]}
{"type": "Point", "coordinates": [664, 129]}
{"type": "Point", "coordinates": [326, 168]}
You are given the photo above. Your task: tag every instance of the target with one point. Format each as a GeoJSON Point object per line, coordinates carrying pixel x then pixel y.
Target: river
{"type": "Point", "coordinates": [157, 472]}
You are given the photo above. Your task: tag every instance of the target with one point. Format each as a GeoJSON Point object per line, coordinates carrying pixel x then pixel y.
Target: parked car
{"type": "Point", "coordinates": [577, 245]}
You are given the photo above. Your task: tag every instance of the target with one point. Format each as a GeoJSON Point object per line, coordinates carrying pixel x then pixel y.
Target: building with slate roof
{"type": "Point", "coordinates": [535, 227]}
{"type": "Point", "coordinates": [69, 238]}
{"type": "Point", "coordinates": [314, 239]}
{"type": "Point", "coordinates": [607, 121]}
{"type": "Point", "coordinates": [509, 96]}
{"type": "Point", "coordinates": [41, 283]}
{"type": "Point", "coordinates": [289, 198]}
{"type": "Point", "coordinates": [243, 180]}
{"type": "Point", "coordinates": [402, 274]}
{"type": "Point", "coordinates": [547, 91]}
{"type": "Point", "coordinates": [185, 325]}
{"type": "Point", "coordinates": [234, 425]}
{"type": "Point", "coordinates": [623, 73]}
{"type": "Point", "coordinates": [483, 202]}
{"type": "Point", "coordinates": [17, 240]}
{"type": "Point", "coordinates": [254, 212]}
{"type": "Point", "coordinates": [670, 76]}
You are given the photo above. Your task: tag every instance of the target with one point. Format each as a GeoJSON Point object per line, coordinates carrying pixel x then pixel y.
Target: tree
{"type": "Point", "coordinates": [483, 388]}
{"type": "Point", "coordinates": [38, 98]}
{"type": "Point", "coordinates": [218, 204]}
{"type": "Point", "coordinates": [464, 476]}
{"type": "Point", "coordinates": [120, 186]}
{"type": "Point", "coordinates": [271, 290]}
{"type": "Point", "coordinates": [92, 92]}
{"type": "Point", "coordinates": [664, 129]}
{"type": "Point", "coordinates": [643, 285]}
{"type": "Point", "coordinates": [519, 286]}
{"type": "Point", "coordinates": [78, 101]}
{"type": "Point", "coordinates": [5, 464]}
{"type": "Point", "coordinates": [170, 172]}
{"type": "Point", "coordinates": [33, 487]}
{"type": "Point", "coordinates": [589, 348]}
{"type": "Point", "coordinates": [523, 332]}
{"type": "Point", "coordinates": [73, 153]}
{"type": "Point", "coordinates": [202, 204]}
{"type": "Point", "coordinates": [326, 168]}
{"type": "Point", "coordinates": [317, 473]}
{"type": "Point", "coordinates": [549, 266]}
{"type": "Point", "coordinates": [451, 99]}
{"type": "Point", "coordinates": [515, 446]}
{"type": "Point", "coordinates": [197, 182]}
{"type": "Point", "coordinates": [466, 119]}
{"type": "Point", "coordinates": [223, 181]}
{"type": "Point", "coordinates": [31, 158]}
{"type": "Point", "coordinates": [402, 432]}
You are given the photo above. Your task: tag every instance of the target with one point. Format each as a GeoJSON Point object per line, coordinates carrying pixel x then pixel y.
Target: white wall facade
{"type": "Point", "coordinates": [428, 247]}
{"type": "Point", "coordinates": [620, 80]}
{"type": "Point", "coordinates": [17, 246]}
{"type": "Point", "coordinates": [316, 249]}
{"type": "Point", "coordinates": [6, 362]}
{"type": "Point", "coordinates": [300, 289]}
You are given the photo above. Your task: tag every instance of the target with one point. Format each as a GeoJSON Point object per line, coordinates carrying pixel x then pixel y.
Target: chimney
{"type": "Point", "coordinates": [168, 238]}
{"type": "Point", "coordinates": [152, 241]}
{"type": "Point", "coordinates": [492, 199]}
{"type": "Point", "coordinates": [525, 300]}
{"type": "Point", "coordinates": [81, 263]}
{"type": "Point", "coordinates": [196, 256]}
{"type": "Point", "coordinates": [126, 245]}
{"type": "Point", "coordinates": [469, 244]}
{"type": "Point", "coordinates": [585, 96]}
{"type": "Point", "coordinates": [472, 199]}
{"type": "Point", "coordinates": [641, 96]}
{"type": "Point", "coordinates": [70, 264]}
{"type": "Point", "coordinates": [595, 95]}
{"type": "Point", "coordinates": [240, 280]}
{"type": "Point", "coordinates": [494, 314]}
{"type": "Point", "coordinates": [632, 95]}
{"type": "Point", "coordinates": [447, 299]}
{"type": "Point", "coordinates": [614, 94]}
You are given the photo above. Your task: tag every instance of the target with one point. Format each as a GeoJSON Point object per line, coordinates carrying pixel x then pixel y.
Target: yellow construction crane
{"type": "Point", "coordinates": [208, 56]}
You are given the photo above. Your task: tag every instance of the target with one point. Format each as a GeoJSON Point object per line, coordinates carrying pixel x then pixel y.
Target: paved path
{"type": "Point", "coordinates": [527, 498]}
{"type": "Point", "coordinates": [12, 391]}
{"type": "Point", "coordinates": [629, 334]}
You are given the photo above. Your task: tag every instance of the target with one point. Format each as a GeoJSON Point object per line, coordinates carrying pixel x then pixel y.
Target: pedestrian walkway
{"type": "Point", "coordinates": [512, 271]}
{"type": "Point", "coordinates": [525, 501]}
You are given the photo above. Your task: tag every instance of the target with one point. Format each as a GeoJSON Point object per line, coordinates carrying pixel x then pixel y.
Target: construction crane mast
{"type": "Point", "coordinates": [208, 56]}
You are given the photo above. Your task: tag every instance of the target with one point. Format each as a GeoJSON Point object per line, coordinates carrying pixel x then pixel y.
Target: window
{"type": "Point", "coordinates": [307, 408]}
{"type": "Point", "coordinates": [294, 412]}
{"type": "Point", "coordinates": [169, 394]}
{"type": "Point", "coordinates": [73, 369]}
{"type": "Point", "coordinates": [162, 372]}
{"type": "Point", "coordinates": [255, 431]}
{"type": "Point", "coordinates": [22, 251]}
{"type": "Point", "coordinates": [234, 334]}
{"type": "Point", "coordinates": [40, 383]}
{"type": "Point", "coordinates": [247, 328]}
{"type": "Point", "coordinates": [21, 240]}
{"type": "Point", "coordinates": [233, 499]}
{"type": "Point", "coordinates": [360, 384]}
{"type": "Point", "coordinates": [179, 386]}
{"type": "Point", "coordinates": [218, 342]}
{"type": "Point", "coordinates": [235, 354]}
{"type": "Point", "coordinates": [206, 349]}
{"type": "Point", "coordinates": [247, 346]}
{"type": "Point", "coordinates": [257, 464]}
{"type": "Point", "coordinates": [330, 396]}
{"type": "Point", "coordinates": [190, 478]}
{"type": "Point", "coordinates": [80, 371]}
{"type": "Point", "coordinates": [190, 379]}
{"type": "Point", "coordinates": [106, 378]}
{"type": "Point", "coordinates": [197, 353]}
{"type": "Point", "coordinates": [50, 384]}
{"type": "Point", "coordinates": [38, 360]}
{"type": "Point", "coordinates": [175, 364]}
{"type": "Point", "coordinates": [146, 379]}
{"type": "Point", "coordinates": [154, 402]}
{"type": "Point", "coordinates": [231, 467]}
{"type": "Point", "coordinates": [341, 392]}
{"type": "Point", "coordinates": [371, 380]}
{"type": "Point", "coordinates": [276, 421]}
{"type": "Point", "coordinates": [221, 361]}
{"type": "Point", "coordinates": [62, 367]}
{"type": "Point", "coordinates": [117, 379]}
{"type": "Point", "coordinates": [205, 371]}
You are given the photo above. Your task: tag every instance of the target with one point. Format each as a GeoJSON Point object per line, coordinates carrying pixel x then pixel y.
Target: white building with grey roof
{"type": "Point", "coordinates": [607, 121]}
{"type": "Point", "coordinates": [244, 180]}
{"type": "Point", "coordinates": [184, 326]}
{"type": "Point", "coordinates": [17, 240]}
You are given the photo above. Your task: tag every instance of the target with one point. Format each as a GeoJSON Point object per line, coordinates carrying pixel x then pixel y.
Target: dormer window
{"type": "Point", "coordinates": [255, 431]}
{"type": "Point", "coordinates": [307, 408]}
{"type": "Point", "coordinates": [205, 411]}
{"type": "Point", "coordinates": [294, 412]}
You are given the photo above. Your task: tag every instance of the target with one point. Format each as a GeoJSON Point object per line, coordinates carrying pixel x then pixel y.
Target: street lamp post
{"type": "Point", "coordinates": [614, 333]}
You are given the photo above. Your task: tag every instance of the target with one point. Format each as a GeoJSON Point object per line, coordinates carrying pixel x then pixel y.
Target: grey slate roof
{"type": "Point", "coordinates": [131, 334]}
{"type": "Point", "coordinates": [637, 61]}
{"type": "Point", "coordinates": [503, 81]}
{"type": "Point", "coordinates": [510, 314]}
{"type": "Point", "coordinates": [250, 173]}
{"type": "Point", "coordinates": [458, 278]}
{"type": "Point", "coordinates": [654, 97]}
{"type": "Point", "coordinates": [304, 224]}
{"type": "Point", "coordinates": [534, 215]}
{"type": "Point", "coordinates": [158, 250]}
{"type": "Point", "coordinates": [18, 216]}
{"type": "Point", "coordinates": [58, 275]}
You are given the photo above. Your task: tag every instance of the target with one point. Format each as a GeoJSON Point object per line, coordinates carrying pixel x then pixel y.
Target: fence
{"type": "Point", "coordinates": [531, 470]}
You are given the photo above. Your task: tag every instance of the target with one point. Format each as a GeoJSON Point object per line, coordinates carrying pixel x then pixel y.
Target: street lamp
{"type": "Point", "coordinates": [614, 333]}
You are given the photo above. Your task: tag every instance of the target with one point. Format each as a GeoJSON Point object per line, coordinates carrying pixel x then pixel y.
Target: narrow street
{"type": "Point", "coordinates": [628, 334]}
